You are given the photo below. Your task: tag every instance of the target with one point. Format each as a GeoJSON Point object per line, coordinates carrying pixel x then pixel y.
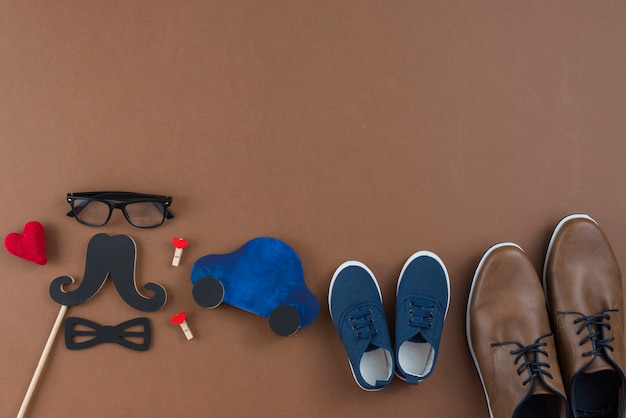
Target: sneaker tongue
{"type": "Point", "coordinates": [371, 347]}
{"type": "Point", "coordinates": [418, 338]}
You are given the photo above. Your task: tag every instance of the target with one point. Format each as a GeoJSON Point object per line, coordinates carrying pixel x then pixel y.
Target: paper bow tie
{"type": "Point", "coordinates": [107, 334]}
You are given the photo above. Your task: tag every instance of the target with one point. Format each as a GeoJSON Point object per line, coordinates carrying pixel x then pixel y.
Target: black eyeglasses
{"type": "Point", "coordinates": [140, 210]}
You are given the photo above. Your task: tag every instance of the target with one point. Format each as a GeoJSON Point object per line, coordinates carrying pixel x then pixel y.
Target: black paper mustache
{"type": "Point", "coordinates": [114, 255]}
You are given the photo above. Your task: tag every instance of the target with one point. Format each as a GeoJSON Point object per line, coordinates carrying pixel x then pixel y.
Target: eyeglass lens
{"type": "Point", "coordinates": [91, 212]}
{"type": "Point", "coordinates": [145, 214]}
{"type": "Point", "coordinates": [97, 213]}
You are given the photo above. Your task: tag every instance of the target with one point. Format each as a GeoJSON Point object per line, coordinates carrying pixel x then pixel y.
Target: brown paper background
{"type": "Point", "coordinates": [350, 130]}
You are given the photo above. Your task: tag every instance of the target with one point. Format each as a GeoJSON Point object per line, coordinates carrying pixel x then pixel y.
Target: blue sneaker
{"type": "Point", "coordinates": [422, 300]}
{"type": "Point", "coordinates": [356, 308]}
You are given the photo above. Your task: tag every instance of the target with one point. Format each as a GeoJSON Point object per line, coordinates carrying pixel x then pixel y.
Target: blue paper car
{"type": "Point", "coordinates": [265, 277]}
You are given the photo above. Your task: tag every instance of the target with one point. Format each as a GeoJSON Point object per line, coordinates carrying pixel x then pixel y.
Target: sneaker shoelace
{"type": "Point", "coordinates": [362, 324]}
{"type": "Point", "coordinates": [420, 314]}
{"type": "Point", "coordinates": [595, 326]}
{"type": "Point", "coordinates": [530, 354]}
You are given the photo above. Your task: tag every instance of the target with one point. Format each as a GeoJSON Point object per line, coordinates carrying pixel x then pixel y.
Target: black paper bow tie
{"type": "Point", "coordinates": [107, 334]}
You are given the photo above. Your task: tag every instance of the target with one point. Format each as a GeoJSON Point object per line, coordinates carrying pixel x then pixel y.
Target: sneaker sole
{"type": "Point", "coordinates": [434, 256]}
{"type": "Point", "coordinates": [468, 333]}
{"type": "Point", "coordinates": [556, 231]}
{"type": "Point", "coordinates": [330, 290]}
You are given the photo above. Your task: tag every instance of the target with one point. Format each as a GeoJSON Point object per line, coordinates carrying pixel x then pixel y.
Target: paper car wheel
{"type": "Point", "coordinates": [208, 292]}
{"type": "Point", "coordinates": [284, 320]}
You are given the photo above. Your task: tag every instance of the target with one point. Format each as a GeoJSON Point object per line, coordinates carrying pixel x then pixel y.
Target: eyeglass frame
{"type": "Point", "coordinates": [125, 199]}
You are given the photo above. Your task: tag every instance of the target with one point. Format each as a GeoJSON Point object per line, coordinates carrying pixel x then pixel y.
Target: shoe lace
{"type": "Point", "coordinates": [420, 314]}
{"type": "Point", "coordinates": [530, 354]}
{"type": "Point", "coordinates": [362, 323]}
{"type": "Point", "coordinates": [595, 325]}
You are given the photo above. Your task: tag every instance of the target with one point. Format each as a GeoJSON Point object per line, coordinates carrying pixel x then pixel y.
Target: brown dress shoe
{"type": "Point", "coordinates": [509, 336]}
{"type": "Point", "coordinates": [583, 286]}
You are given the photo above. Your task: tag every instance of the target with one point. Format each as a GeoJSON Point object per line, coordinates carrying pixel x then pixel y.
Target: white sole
{"type": "Point", "coordinates": [468, 333]}
{"type": "Point", "coordinates": [330, 287]}
{"type": "Point", "coordinates": [424, 253]}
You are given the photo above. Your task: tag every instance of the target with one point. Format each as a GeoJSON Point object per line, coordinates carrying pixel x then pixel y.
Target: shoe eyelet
{"type": "Point", "coordinates": [432, 306]}
{"type": "Point", "coordinates": [410, 311]}
{"type": "Point", "coordinates": [430, 317]}
{"type": "Point", "coordinates": [369, 310]}
{"type": "Point", "coordinates": [371, 321]}
{"type": "Point", "coordinates": [354, 327]}
{"type": "Point", "coordinates": [351, 318]}
{"type": "Point", "coordinates": [430, 326]}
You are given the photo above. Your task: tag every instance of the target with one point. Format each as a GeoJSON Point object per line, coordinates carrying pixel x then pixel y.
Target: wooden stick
{"type": "Point", "coordinates": [42, 361]}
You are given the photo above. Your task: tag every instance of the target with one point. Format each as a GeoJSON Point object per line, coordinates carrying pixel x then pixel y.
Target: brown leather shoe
{"type": "Point", "coordinates": [509, 336]}
{"type": "Point", "coordinates": [583, 286]}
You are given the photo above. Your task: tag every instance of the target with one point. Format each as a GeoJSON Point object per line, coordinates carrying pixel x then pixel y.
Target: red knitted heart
{"type": "Point", "coordinates": [179, 318]}
{"type": "Point", "coordinates": [30, 245]}
{"type": "Point", "coordinates": [179, 242]}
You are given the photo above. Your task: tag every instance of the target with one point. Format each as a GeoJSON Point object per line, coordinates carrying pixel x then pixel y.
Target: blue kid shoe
{"type": "Point", "coordinates": [422, 300]}
{"type": "Point", "coordinates": [356, 309]}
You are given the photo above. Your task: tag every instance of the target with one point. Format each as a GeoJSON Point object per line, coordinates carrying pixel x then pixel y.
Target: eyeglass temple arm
{"type": "Point", "coordinates": [168, 214]}
{"type": "Point", "coordinates": [75, 209]}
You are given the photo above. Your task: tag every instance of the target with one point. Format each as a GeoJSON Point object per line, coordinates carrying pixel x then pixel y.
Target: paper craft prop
{"type": "Point", "coordinates": [179, 243]}
{"type": "Point", "coordinates": [42, 362]}
{"type": "Point", "coordinates": [181, 319]}
{"type": "Point", "coordinates": [121, 334]}
{"type": "Point", "coordinates": [114, 255]}
{"type": "Point", "coordinates": [30, 244]}
{"type": "Point", "coordinates": [265, 277]}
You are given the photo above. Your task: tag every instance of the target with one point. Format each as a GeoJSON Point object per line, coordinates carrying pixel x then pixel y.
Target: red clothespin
{"type": "Point", "coordinates": [179, 243]}
{"type": "Point", "coordinates": [180, 319]}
